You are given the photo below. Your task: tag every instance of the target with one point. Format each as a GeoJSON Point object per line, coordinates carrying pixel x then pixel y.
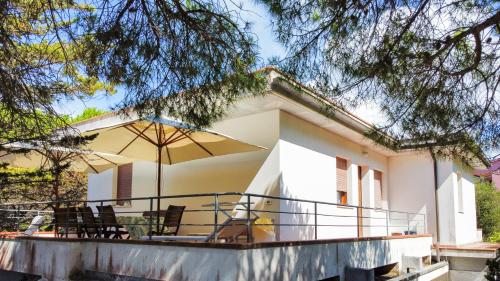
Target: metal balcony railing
{"type": "Point", "coordinates": [285, 218]}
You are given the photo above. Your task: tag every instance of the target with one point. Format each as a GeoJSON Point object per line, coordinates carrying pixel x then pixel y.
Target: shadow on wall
{"type": "Point", "coordinates": [263, 207]}
{"type": "Point", "coordinates": [366, 254]}
{"type": "Point", "coordinates": [290, 263]}
{"type": "Point", "coordinates": [315, 262]}
{"type": "Point", "coordinates": [5, 262]}
{"type": "Point", "coordinates": [56, 260]}
{"type": "Point", "coordinates": [297, 218]}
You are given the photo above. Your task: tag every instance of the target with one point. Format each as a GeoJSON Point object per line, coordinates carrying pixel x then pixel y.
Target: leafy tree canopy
{"type": "Point", "coordinates": [41, 63]}
{"type": "Point", "coordinates": [87, 113]}
{"type": "Point", "coordinates": [187, 58]}
{"type": "Point", "coordinates": [431, 66]}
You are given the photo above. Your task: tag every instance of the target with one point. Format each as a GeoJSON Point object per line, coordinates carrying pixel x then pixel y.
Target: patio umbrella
{"type": "Point", "coordinates": [164, 141]}
{"type": "Point", "coordinates": [81, 160]}
{"type": "Point", "coordinates": [30, 156]}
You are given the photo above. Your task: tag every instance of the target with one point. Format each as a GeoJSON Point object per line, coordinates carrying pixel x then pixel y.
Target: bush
{"type": "Point", "coordinates": [494, 238]}
{"type": "Point", "coordinates": [136, 226]}
{"type": "Point", "coordinates": [488, 209]}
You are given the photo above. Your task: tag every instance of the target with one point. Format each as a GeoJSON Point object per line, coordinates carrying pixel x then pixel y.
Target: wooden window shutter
{"type": "Point", "coordinates": [124, 182]}
{"type": "Point", "coordinates": [377, 176]}
{"type": "Point", "coordinates": [341, 174]}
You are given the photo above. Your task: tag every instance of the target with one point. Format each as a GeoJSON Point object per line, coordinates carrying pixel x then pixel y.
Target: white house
{"type": "Point", "coordinates": [317, 152]}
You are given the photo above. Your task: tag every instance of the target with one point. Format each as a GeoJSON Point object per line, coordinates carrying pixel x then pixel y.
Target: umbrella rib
{"type": "Point", "coordinates": [178, 138]}
{"type": "Point", "coordinates": [164, 134]}
{"type": "Point", "coordinates": [105, 159]}
{"type": "Point", "coordinates": [173, 134]}
{"type": "Point", "coordinates": [92, 167]}
{"type": "Point", "coordinates": [157, 134]}
{"type": "Point", "coordinates": [168, 155]}
{"type": "Point", "coordinates": [198, 144]}
{"type": "Point", "coordinates": [136, 136]}
{"type": "Point", "coordinates": [7, 153]}
{"type": "Point", "coordinates": [141, 135]}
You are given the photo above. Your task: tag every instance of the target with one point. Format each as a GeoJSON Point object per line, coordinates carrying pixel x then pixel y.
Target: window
{"type": "Point", "coordinates": [341, 181]}
{"type": "Point", "coordinates": [124, 184]}
{"type": "Point", "coordinates": [460, 194]}
{"type": "Point", "coordinates": [342, 197]}
{"type": "Point", "coordinates": [377, 180]}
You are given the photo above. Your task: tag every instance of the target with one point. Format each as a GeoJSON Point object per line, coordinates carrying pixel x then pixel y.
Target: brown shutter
{"type": "Point", "coordinates": [377, 175]}
{"type": "Point", "coordinates": [124, 182]}
{"type": "Point", "coordinates": [341, 174]}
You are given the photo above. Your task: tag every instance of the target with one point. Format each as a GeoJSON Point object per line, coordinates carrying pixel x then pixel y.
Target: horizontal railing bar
{"type": "Point", "coordinates": [208, 195]}
{"type": "Point", "coordinates": [243, 203]}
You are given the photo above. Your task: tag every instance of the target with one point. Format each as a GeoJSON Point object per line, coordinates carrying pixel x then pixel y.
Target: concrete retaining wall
{"type": "Point", "coordinates": [57, 259]}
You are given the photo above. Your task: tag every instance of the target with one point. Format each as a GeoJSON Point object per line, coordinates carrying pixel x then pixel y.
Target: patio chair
{"type": "Point", "coordinates": [229, 231]}
{"type": "Point", "coordinates": [171, 220]}
{"type": "Point", "coordinates": [110, 226]}
{"type": "Point", "coordinates": [66, 219]}
{"type": "Point", "coordinates": [89, 225]}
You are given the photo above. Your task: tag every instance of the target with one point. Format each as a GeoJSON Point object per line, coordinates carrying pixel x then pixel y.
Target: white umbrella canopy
{"type": "Point", "coordinates": [165, 141]}
{"type": "Point", "coordinates": [80, 160]}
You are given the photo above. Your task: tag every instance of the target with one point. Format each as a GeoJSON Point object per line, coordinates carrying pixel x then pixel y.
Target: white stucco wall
{"type": "Point", "coordinates": [100, 185]}
{"type": "Point", "coordinates": [308, 167]}
{"type": "Point", "coordinates": [446, 202]}
{"type": "Point", "coordinates": [465, 218]}
{"type": "Point", "coordinates": [411, 177]}
{"type": "Point", "coordinates": [300, 163]}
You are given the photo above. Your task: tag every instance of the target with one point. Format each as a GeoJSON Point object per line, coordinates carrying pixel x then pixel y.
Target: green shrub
{"type": "Point", "coordinates": [488, 209]}
{"type": "Point", "coordinates": [494, 238]}
{"type": "Point", "coordinates": [136, 226]}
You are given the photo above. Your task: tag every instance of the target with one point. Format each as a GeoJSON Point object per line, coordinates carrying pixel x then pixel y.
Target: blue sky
{"type": "Point", "coordinates": [261, 26]}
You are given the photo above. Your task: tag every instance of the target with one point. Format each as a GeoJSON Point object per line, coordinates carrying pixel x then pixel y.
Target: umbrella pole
{"type": "Point", "coordinates": [158, 190]}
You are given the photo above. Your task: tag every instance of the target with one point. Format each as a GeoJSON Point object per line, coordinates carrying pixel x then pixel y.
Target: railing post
{"type": "Point", "coordinates": [101, 211]}
{"type": "Point", "coordinates": [408, 220]}
{"type": "Point", "coordinates": [150, 218]}
{"type": "Point", "coordinates": [315, 220]}
{"type": "Point", "coordinates": [66, 226]}
{"type": "Point", "coordinates": [387, 214]}
{"type": "Point", "coordinates": [358, 221]}
{"type": "Point", "coordinates": [425, 224]}
{"type": "Point", "coordinates": [216, 215]}
{"type": "Point", "coordinates": [18, 217]}
{"type": "Point", "coordinates": [249, 225]}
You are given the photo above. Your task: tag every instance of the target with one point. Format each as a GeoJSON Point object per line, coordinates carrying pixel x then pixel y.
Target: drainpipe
{"type": "Point", "coordinates": [438, 238]}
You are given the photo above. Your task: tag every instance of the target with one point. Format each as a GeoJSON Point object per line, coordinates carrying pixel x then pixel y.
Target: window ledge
{"type": "Point", "coordinates": [345, 207]}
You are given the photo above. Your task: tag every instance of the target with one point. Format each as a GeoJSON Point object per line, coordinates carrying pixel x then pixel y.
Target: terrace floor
{"type": "Point", "coordinates": [477, 250]}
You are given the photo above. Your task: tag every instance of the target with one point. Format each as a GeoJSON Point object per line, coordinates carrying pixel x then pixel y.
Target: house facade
{"type": "Point", "coordinates": [492, 174]}
{"type": "Point", "coordinates": [315, 151]}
